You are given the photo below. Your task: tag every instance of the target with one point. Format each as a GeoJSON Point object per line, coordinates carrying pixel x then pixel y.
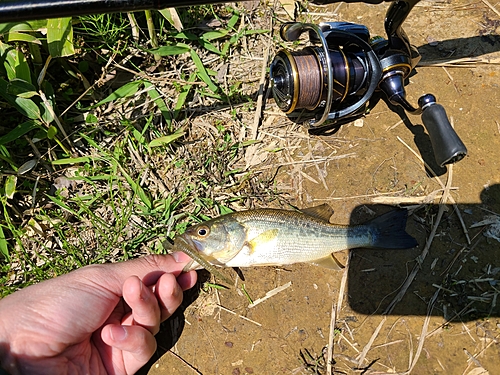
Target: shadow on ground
{"type": "Point", "coordinates": [466, 276]}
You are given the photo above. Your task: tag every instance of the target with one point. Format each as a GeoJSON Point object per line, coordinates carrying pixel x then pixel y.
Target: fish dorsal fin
{"type": "Point", "coordinates": [330, 262]}
{"type": "Point", "coordinates": [262, 239]}
{"type": "Point", "coordinates": [323, 212]}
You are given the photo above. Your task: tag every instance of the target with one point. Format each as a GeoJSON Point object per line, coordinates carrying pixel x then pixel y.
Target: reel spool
{"type": "Point", "coordinates": [328, 82]}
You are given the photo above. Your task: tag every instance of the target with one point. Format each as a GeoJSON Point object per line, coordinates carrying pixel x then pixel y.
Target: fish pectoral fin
{"type": "Point", "coordinates": [323, 212]}
{"type": "Point", "coordinates": [262, 239]}
{"type": "Point", "coordinates": [330, 262]}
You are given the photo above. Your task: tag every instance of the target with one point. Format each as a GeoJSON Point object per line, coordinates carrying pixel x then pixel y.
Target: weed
{"type": "Point", "coordinates": [96, 170]}
{"type": "Point", "coordinates": [104, 31]}
{"type": "Point", "coordinates": [314, 364]}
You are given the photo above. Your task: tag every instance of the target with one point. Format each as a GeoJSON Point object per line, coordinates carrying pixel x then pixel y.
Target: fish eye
{"type": "Point", "coordinates": [203, 231]}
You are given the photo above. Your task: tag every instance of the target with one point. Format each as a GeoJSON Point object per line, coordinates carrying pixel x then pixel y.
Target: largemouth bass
{"type": "Point", "coordinates": [272, 237]}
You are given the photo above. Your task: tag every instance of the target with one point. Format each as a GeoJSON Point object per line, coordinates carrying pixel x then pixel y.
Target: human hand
{"type": "Point", "coordinates": [100, 319]}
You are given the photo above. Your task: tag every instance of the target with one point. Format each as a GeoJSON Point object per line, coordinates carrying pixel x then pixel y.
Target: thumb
{"type": "Point", "coordinates": [149, 269]}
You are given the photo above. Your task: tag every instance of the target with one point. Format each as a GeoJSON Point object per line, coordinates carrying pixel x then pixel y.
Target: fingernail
{"type": "Point", "coordinates": [143, 292]}
{"type": "Point", "coordinates": [118, 333]}
{"type": "Point", "coordinates": [180, 257]}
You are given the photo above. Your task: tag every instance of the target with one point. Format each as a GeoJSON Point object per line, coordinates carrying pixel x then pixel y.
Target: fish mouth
{"type": "Point", "coordinates": [198, 261]}
{"type": "Point", "coordinates": [187, 241]}
{"type": "Point", "coordinates": [188, 247]}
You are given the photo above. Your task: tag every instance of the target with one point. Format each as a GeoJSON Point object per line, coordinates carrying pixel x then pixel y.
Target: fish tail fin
{"type": "Point", "coordinates": [389, 231]}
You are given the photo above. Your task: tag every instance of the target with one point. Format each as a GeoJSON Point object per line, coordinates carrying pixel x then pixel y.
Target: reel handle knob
{"type": "Point", "coordinates": [447, 145]}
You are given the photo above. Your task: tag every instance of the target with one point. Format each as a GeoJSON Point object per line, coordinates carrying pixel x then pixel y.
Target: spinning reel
{"type": "Point", "coordinates": [332, 81]}
{"type": "Point", "coordinates": [327, 84]}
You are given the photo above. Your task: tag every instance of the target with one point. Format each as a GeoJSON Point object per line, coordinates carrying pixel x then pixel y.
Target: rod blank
{"type": "Point", "coordinates": [27, 10]}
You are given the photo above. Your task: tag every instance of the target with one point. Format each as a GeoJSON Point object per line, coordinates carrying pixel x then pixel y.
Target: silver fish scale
{"type": "Point", "coordinates": [299, 237]}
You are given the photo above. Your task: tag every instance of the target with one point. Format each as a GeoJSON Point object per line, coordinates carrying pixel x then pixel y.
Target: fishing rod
{"type": "Point", "coordinates": [28, 10]}
{"type": "Point", "coordinates": [329, 83]}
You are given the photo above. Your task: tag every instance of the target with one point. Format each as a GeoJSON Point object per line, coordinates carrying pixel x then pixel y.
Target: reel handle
{"type": "Point", "coordinates": [447, 145]}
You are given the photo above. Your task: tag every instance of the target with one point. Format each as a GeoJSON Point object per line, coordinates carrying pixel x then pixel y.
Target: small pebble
{"type": "Point", "coordinates": [249, 370]}
{"type": "Point", "coordinates": [359, 123]}
{"type": "Point", "coordinates": [229, 344]}
{"type": "Point", "coordinates": [432, 42]}
{"type": "Point", "coordinates": [236, 371]}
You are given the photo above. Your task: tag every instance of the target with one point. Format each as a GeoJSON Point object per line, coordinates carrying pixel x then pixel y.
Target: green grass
{"type": "Point", "coordinates": [102, 156]}
{"type": "Point", "coordinates": [110, 32]}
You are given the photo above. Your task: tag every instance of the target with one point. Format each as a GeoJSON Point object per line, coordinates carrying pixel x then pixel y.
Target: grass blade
{"type": "Point", "coordinates": [4, 248]}
{"type": "Point", "coordinates": [172, 17]}
{"type": "Point", "coordinates": [170, 50]}
{"type": "Point", "coordinates": [166, 140]}
{"type": "Point", "coordinates": [18, 131]}
{"type": "Point", "coordinates": [125, 91]}
{"type": "Point", "coordinates": [70, 161]}
{"type": "Point", "coordinates": [63, 205]}
{"type": "Point", "coordinates": [136, 188]}
{"type": "Point", "coordinates": [21, 88]}
{"type": "Point", "coordinates": [233, 21]}
{"type": "Point", "coordinates": [209, 46]}
{"type": "Point", "coordinates": [15, 63]}
{"type": "Point", "coordinates": [202, 72]}
{"type": "Point", "coordinates": [211, 35]}
{"type": "Point", "coordinates": [160, 103]}
{"type": "Point", "coordinates": [181, 98]}
{"type": "Point", "coordinates": [10, 186]}
{"type": "Point", "coordinates": [60, 37]}
{"type": "Point", "coordinates": [22, 37]}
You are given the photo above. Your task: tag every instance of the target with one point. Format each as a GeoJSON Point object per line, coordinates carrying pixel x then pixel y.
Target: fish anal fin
{"type": "Point", "coordinates": [323, 212]}
{"type": "Point", "coordinates": [330, 262]}
{"type": "Point", "coordinates": [262, 239]}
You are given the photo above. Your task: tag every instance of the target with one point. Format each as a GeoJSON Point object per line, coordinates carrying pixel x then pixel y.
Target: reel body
{"type": "Point", "coordinates": [331, 82]}
{"type": "Point", "coordinates": [327, 83]}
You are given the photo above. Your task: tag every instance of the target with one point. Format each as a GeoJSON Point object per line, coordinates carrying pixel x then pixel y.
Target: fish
{"type": "Point", "coordinates": [276, 237]}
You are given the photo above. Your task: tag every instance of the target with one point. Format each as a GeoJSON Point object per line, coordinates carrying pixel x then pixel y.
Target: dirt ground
{"type": "Point", "coordinates": [448, 318]}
